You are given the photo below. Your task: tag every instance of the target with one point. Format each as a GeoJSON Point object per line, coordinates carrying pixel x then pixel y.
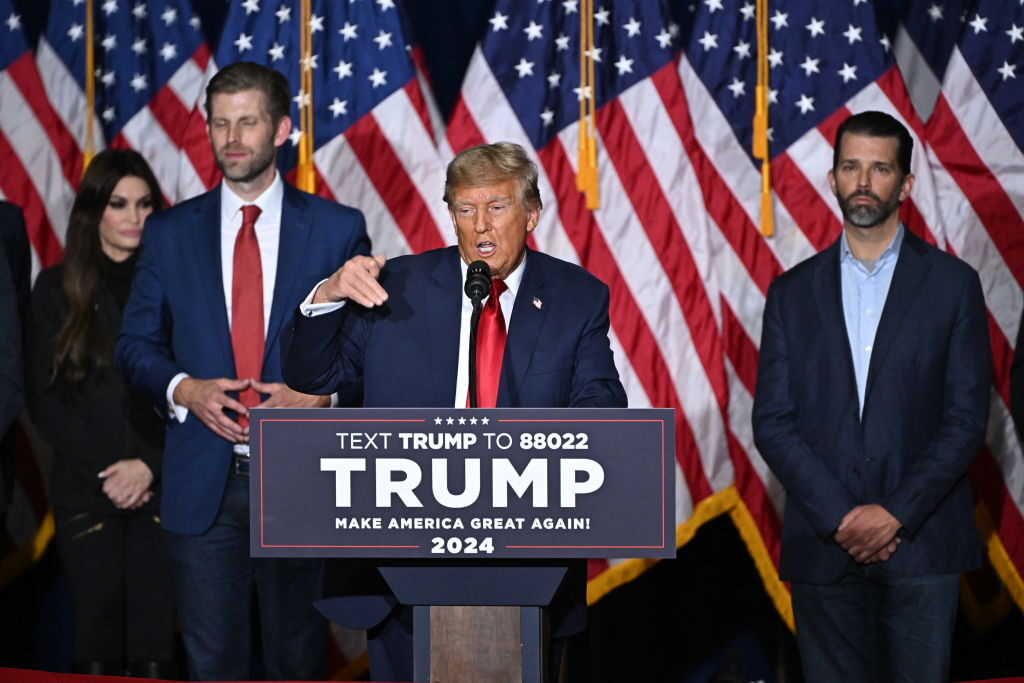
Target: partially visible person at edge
{"type": "Point", "coordinates": [219, 276]}
{"type": "Point", "coordinates": [872, 397]}
{"type": "Point", "coordinates": [107, 440]}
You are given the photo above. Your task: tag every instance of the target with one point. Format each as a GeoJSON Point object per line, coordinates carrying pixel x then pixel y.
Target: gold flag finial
{"type": "Point", "coordinates": [760, 132]}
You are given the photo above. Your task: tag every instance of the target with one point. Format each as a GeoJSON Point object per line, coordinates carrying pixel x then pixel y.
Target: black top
{"type": "Point", "coordinates": [104, 421]}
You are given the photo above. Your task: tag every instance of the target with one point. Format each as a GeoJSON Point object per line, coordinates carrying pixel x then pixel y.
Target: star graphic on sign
{"type": "Point", "coordinates": [139, 46]}
{"type": "Point", "coordinates": [1008, 70]}
{"type": "Point", "coordinates": [108, 114]}
{"type": "Point", "coordinates": [562, 42]}
{"type": "Point", "coordinates": [349, 31]}
{"type": "Point", "coordinates": [554, 79]}
{"type": "Point", "coordinates": [450, 420]}
{"type": "Point", "coordinates": [852, 34]}
{"type": "Point", "coordinates": [524, 68]}
{"type": "Point", "coordinates": [385, 5]}
{"type": "Point", "coordinates": [810, 66]}
{"type": "Point", "coordinates": [338, 107]}
{"type": "Point", "coordinates": [283, 13]}
{"type": "Point", "coordinates": [806, 104]}
{"type": "Point", "coordinates": [848, 72]}
{"type": "Point", "coordinates": [816, 27]}
{"type": "Point", "coordinates": [780, 19]}
{"type": "Point", "coordinates": [742, 49]}
{"type": "Point", "coordinates": [709, 41]}
{"type": "Point", "coordinates": [276, 52]}
{"type": "Point", "coordinates": [437, 420]}
{"type": "Point", "coordinates": [383, 40]}
{"type": "Point", "coordinates": [295, 136]}
{"type": "Point", "coordinates": [109, 42]}
{"type": "Point", "coordinates": [139, 11]}
{"type": "Point", "coordinates": [485, 420]}
{"type": "Point", "coordinates": [624, 65]}
{"type": "Point", "coordinates": [533, 31]}
{"type": "Point", "coordinates": [251, 6]}
{"type": "Point", "coordinates": [378, 77]}
{"type": "Point", "coordinates": [315, 24]}
{"type": "Point", "coordinates": [632, 27]}
{"type": "Point", "coordinates": [747, 11]}
{"type": "Point", "coordinates": [571, 6]}
{"type": "Point", "coordinates": [170, 15]}
{"type": "Point", "coordinates": [1016, 33]}
{"type": "Point", "coordinates": [169, 51]}
{"type": "Point", "coordinates": [664, 38]}
{"type": "Point", "coordinates": [547, 117]}
{"type": "Point", "coordinates": [344, 69]}
{"type": "Point", "coordinates": [713, 5]}
{"type": "Point", "coordinates": [601, 16]}
{"type": "Point", "coordinates": [978, 23]}
{"type": "Point", "coordinates": [109, 7]}
{"type": "Point", "coordinates": [499, 22]}
{"type": "Point", "coordinates": [935, 12]}
{"type": "Point", "coordinates": [775, 58]}
{"type": "Point", "coordinates": [472, 420]}
{"type": "Point", "coordinates": [138, 82]}
{"type": "Point", "coordinates": [462, 420]}
{"type": "Point", "coordinates": [737, 87]}
{"type": "Point", "coordinates": [243, 43]}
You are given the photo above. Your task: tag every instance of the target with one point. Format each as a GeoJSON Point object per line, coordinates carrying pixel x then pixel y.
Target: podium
{"type": "Point", "coordinates": [473, 517]}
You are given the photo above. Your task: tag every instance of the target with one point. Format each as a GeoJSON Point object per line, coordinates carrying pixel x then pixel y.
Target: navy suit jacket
{"type": "Point", "coordinates": [925, 412]}
{"type": "Point", "coordinates": [176, 321]}
{"type": "Point", "coordinates": [556, 355]}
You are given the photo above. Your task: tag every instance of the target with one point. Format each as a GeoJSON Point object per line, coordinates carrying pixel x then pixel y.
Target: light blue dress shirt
{"type": "Point", "coordinates": [864, 294]}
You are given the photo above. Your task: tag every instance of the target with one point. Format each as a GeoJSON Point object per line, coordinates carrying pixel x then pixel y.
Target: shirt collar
{"type": "Point", "coordinates": [269, 200]}
{"type": "Point", "coordinates": [514, 279]}
{"type": "Point", "coordinates": [891, 251]}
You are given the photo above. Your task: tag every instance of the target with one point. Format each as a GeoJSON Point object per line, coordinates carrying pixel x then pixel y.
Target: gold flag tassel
{"type": "Point", "coordinates": [586, 161]}
{"type": "Point", "coordinates": [89, 150]}
{"type": "Point", "coordinates": [305, 176]}
{"type": "Point", "coordinates": [760, 141]}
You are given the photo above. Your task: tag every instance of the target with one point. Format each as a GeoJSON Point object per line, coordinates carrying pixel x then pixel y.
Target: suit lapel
{"type": "Point", "coordinates": [524, 329]}
{"type": "Point", "coordinates": [206, 243]}
{"type": "Point", "coordinates": [444, 302]}
{"type": "Point", "coordinates": [911, 270]}
{"type": "Point", "coordinates": [828, 296]}
{"type": "Point", "coordinates": [294, 233]}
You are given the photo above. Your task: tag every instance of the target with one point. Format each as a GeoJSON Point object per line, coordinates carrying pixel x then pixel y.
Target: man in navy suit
{"type": "Point", "coordinates": [872, 397]}
{"type": "Point", "coordinates": [217, 278]}
{"type": "Point", "coordinates": [402, 327]}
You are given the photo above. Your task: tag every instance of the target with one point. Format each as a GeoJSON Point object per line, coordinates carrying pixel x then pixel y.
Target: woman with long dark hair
{"type": "Point", "coordinates": [107, 441]}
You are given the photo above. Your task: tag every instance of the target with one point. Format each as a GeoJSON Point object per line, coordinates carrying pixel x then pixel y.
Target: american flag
{"type": "Point", "coordinates": [373, 134]}
{"type": "Point", "coordinates": [676, 235]}
{"type": "Point", "coordinates": [975, 135]}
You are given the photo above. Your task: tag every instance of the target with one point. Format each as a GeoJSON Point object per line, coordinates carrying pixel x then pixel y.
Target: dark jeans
{"type": "Point", "coordinates": [120, 586]}
{"type": "Point", "coordinates": [214, 578]}
{"type": "Point", "coordinates": [874, 629]}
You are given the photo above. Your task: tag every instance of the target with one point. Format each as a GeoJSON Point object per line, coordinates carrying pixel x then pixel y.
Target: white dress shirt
{"type": "Point", "coordinates": [508, 300]}
{"type": "Point", "coordinates": [268, 233]}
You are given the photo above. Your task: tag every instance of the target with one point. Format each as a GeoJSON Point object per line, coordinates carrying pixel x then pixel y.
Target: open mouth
{"type": "Point", "coordinates": [485, 249]}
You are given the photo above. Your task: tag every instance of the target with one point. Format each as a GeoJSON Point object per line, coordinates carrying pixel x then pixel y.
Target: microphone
{"type": "Point", "coordinates": [478, 281]}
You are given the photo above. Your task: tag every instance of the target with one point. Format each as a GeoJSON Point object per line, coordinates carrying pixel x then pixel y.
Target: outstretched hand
{"type": "Point", "coordinates": [355, 281]}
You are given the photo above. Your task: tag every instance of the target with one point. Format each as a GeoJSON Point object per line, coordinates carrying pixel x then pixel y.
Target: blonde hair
{"type": "Point", "coordinates": [487, 164]}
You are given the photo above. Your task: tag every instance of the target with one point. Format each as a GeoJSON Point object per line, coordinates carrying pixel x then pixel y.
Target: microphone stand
{"type": "Point", "coordinates": [471, 358]}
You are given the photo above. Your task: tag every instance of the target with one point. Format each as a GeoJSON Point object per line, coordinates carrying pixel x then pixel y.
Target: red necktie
{"type": "Point", "coordinates": [490, 347]}
{"type": "Point", "coordinates": [247, 307]}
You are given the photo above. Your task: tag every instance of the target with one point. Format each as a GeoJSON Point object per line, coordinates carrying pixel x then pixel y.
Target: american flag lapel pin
{"type": "Point", "coordinates": [538, 304]}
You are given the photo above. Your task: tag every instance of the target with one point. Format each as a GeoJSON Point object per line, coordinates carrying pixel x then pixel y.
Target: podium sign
{"type": "Point", "coordinates": [446, 483]}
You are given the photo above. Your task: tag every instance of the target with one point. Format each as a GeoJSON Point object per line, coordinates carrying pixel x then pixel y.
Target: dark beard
{"type": "Point", "coordinates": [866, 215]}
